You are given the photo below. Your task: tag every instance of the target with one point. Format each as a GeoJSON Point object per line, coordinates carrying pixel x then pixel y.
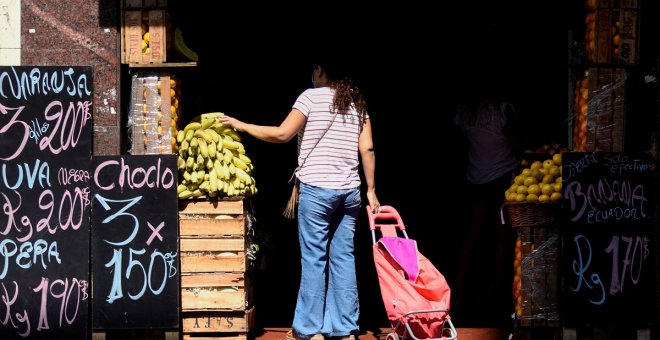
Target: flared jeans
{"type": "Point", "coordinates": [327, 300]}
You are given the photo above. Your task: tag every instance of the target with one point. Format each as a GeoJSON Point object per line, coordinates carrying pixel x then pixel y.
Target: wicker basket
{"type": "Point", "coordinates": [529, 214]}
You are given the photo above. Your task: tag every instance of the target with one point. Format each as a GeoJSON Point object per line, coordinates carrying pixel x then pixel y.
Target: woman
{"type": "Point", "coordinates": [493, 149]}
{"type": "Point", "coordinates": [334, 134]}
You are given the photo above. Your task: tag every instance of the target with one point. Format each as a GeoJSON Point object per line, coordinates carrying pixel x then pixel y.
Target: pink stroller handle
{"type": "Point", "coordinates": [387, 213]}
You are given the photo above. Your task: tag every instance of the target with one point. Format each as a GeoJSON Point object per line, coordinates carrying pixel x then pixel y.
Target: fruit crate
{"type": "Point", "coordinates": [226, 325]}
{"type": "Point", "coordinates": [606, 109]}
{"type": "Point", "coordinates": [213, 236]}
{"type": "Point", "coordinates": [136, 46]}
{"type": "Point", "coordinates": [536, 283]}
{"type": "Point", "coordinates": [153, 112]}
{"type": "Point", "coordinates": [216, 292]}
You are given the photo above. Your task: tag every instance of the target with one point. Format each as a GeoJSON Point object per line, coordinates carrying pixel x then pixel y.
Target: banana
{"type": "Point", "coordinates": [201, 133]}
{"type": "Point", "coordinates": [181, 46]}
{"type": "Point", "coordinates": [212, 149]}
{"type": "Point", "coordinates": [233, 134]}
{"type": "Point", "coordinates": [239, 163]}
{"type": "Point", "coordinates": [194, 142]}
{"type": "Point", "coordinates": [243, 176]}
{"type": "Point", "coordinates": [227, 155]}
{"type": "Point", "coordinates": [188, 134]}
{"type": "Point", "coordinates": [192, 126]}
{"type": "Point", "coordinates": [203, 147]}
{"type": "Point", "coordinates": [213, 180]}
{"type": "Point", "coordinates": [189, 163]}
{"type": "Point", "coordinates": [180, 188]}
{"type": "Point", "coordinates": [207, 122]}
{"type": "Point", "coordinates": [245, 159]}
{"type": "Point", "coordinates": [201, 160]}
{"type": "Point", "coordinates": [180, 135]}
{"type": "Point", "coordinates": [185, 194]}
{"type": "Point", "coordinates": [209, 164]}
{"type": "Point", "coordinates": [180, 163]}
{"type": "Point", "coordinates": [214, 135]}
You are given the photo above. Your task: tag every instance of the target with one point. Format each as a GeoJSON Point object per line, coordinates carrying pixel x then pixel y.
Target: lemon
{"type": "Point", "coordinates": [521, 197]}
{"type": "Point", "coordinates": [547, 189]}
{"type": "Point", "coordinates": [547, 179]}
{"type": "Point", "coordinates": [557, 187]}
{"type": "Point", "coordinates": [532, 198]}
{"type": "Point", "coordinates": [536, 165]}
{"type": "Point", "coordinates": [556, 158]}
{"type": "Point", "coordinates": [529, 181]}
{"type": "Point", "coordinates": [534, 189]}
{"type": "Point", "coordinates": [556, 196]}
{"type": "Point", "coordinates": [522, 190]}
{"type": "Point", "coordinates": [555, 171]}
{"type": "Point", "coordinates": [526, 172]}
{"type": "Point", "coordinates": [548, 163]}
{"type": "Point", "coordinates": [544, 198]}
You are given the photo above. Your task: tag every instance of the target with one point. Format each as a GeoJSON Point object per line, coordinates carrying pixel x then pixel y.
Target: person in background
{"type": "Point", "coordinates": [485, 258]}
{"type": "Point", "coordinates": [334, 137]}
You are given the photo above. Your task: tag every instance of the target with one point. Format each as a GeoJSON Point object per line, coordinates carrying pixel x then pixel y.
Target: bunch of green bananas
{"type": "Point", "coordinates": [212, 160]}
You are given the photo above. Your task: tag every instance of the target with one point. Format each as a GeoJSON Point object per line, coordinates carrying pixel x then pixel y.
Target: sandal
{"type": "Point", "coordinates": [291, 335]}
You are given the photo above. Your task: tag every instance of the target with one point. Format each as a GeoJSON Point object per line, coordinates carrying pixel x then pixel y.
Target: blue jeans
{"type": "Point", "coordinates": [328, 298]}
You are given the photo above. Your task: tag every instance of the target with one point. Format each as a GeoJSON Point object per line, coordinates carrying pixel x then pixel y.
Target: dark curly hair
{"type": "Point", "coordinates": [347, 92]}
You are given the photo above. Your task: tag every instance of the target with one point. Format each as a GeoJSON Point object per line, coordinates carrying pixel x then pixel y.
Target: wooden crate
{"type": "Point", "coordinates": [134, 23]}
{"type": "Point", "coordinates": [606, 109]}
{"type": "Point", "coordinates": [540, 272]}
{"type": "Point", "coordinates": [216, 291]}
{"type": "Point", "coordinates": [151, 113]}
{"type": "Point", "coordinates": [213, 255]}
{"type": "Point", "coordinates": [218, 324]}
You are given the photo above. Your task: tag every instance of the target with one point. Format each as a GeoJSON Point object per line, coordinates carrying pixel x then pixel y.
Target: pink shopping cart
{"type": "Point", "coordinates": [416, 295]}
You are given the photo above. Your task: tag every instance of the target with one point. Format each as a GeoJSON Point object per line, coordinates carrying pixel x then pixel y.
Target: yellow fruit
{"type": "Point", "coordinates": [522, 190]}
{"type": "Point", "coordinates": [556, 158]}
{"type": "Point", "coordinates": [526, 172]}
{"type": "Point", "coordinates": [533, 189]}
{"type": "Point", "coordinates": [547, 189]}
{"type": "Point", "coordinates": [521, 197]}
{"type": "Point", "coordinates": [547, 179]}
{"type": "Point", "coordinates": [537, 174]}
{"type": "Point", "coordinates": [536, 165]}
{"type": "Point", "coordinates": [513, 187]}
{"type": "Point", "coordinates": [548, 163]}
{"type": "Point", "coordinates": [532, 198]}
{"type": "Point", "coordinates": [520, 180]}
{"type": "Point", "coordinates": [145, 37]}
{"type": "Point", "coordinates": [556, 196]}
{"type": "Point", "coordinates": [544, 198]}
{"type": "Point", "coordinates": [557, 187]}
{"type": "Point", "coordinates": [555, 171]}
{"type": "Point", "coordinates": [529, 181]}
{"type": "Point", "coordinates": [558, 180]}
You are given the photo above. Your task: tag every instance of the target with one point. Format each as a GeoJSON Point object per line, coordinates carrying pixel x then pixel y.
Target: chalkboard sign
{"type": "Point", "coordinates": [45, 153]}
{"type": "Point", "coordinates": [135, 245]}
{"type": "Point", "coordinates": [607, 247]}
{"type": "Point", "coordinates": [607, 188]}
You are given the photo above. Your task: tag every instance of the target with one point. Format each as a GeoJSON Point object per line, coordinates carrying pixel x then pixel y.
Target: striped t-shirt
{"type": "Point", "coordinates": [333, 162]}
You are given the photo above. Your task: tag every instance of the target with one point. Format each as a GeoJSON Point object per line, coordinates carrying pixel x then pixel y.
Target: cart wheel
{"type": "Point", "coordinates": [392, 336]}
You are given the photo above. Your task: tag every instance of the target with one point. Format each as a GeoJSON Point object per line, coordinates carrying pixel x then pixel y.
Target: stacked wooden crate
{"type": "Point", "coordinates": [216, 287]}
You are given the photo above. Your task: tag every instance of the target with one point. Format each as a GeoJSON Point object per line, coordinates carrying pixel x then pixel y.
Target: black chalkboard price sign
{"type": "Point", "coordinates": [45, 152]}
{"type": "Point", "coordinates": [135, 245]}
{"type": "Point", "coordinates": [608, 245]}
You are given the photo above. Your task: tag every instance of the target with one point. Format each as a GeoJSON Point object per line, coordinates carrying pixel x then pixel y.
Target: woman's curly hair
{"type": "Point", "coordinates": [347, 93]}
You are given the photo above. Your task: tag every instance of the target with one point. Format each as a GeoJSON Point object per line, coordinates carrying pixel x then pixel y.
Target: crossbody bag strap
{"type": "Point", "coordinates": [314, 147]}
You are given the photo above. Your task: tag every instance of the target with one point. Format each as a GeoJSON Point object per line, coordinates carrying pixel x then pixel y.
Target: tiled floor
{"type": "Point", "coordinates": [463, 334]}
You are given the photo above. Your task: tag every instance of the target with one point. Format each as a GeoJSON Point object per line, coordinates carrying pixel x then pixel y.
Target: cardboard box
{"type": "Point", "coordinates": [135, 23]}
{"type": "Point", "coordinates": [627, 25]}
{"type": "Point", "coordinates": [216, 291]}
{"type": "Point", "coordinates": [218, 324]}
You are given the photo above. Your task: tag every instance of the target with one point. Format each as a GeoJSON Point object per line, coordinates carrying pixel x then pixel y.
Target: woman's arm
{"type": "Point", "coordinates": [273, 134]}
{"type": "Point", "coordinates": [366, 148]}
